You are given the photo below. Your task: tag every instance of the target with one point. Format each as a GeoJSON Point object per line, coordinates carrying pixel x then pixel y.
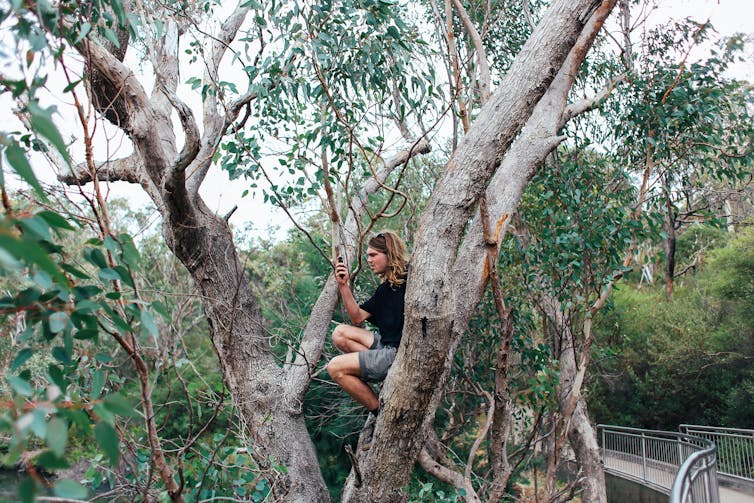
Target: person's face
{"type": "Point", "coordinates": [377, 261]}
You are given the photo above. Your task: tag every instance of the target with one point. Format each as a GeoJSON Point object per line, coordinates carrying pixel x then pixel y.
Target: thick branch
{"type": "Point", "coordinates": [150, 137]}
{"type": "Point", "coordinates": [126, 169]}
{"type": "Point", "coordinates": [118, 76]}
{"type": "Point", "coordinates": [523, 158]}
{"type": "Point", "coordinates": [215, 123]}
{"type": "Point", "coordinates": [227, 34]}
{"type": "Point", "coordinates": [190, 129]}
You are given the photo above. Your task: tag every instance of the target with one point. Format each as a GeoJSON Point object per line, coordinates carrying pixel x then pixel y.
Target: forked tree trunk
{"type": "Point", "coordinates": [470, 270]}
{"type": "Point", "coordinates": [583, 439]}
{"type": "Point", "coordinates": [269, 404]}
{"type": "Point", "coordinates": [430, 327]}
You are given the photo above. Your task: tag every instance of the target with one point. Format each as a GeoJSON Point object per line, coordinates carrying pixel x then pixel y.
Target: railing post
{"type": "Point", "coordinates": [644, 455]}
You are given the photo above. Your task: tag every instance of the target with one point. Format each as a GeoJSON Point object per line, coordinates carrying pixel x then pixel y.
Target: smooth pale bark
{"type": "Point", "coordinates": [538, 138]}
{"type": "Point", "coordinates": [583, 439]}
{"type": "Point", "coordinates": [430, 322]}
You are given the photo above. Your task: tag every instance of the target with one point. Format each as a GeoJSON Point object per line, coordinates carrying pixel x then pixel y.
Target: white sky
{"type": "Point", "coordinates": [728, 16]}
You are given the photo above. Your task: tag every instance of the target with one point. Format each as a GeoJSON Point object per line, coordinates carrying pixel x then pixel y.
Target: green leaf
{"type": "Point", "coordinates": [77, 417]}
{"type": "Point", "coordinates": [112, 245]}
{"type": "Point", "coordinates": [98, 382]}
{"type": "Point", "coordinates": [107, 438]}
{"type": "Point", "coordinates": [103, 413]}
{"type": "Point", "coordinates": [60, 354]}
{"type": "Point", "coordinates": [74, 271]}
{"type": "Point", "coordinates": [108, 274]}
{"type": "Point", "coordinates": [42, 279]}
{"type": "Point", "coordinates": [20, 386]}
{"type": "Point", "coordinates": [57, 436]}
{"type": "Point", "coordinates": [21, 358]}
{"type": "Point", "coordinates": [85, 28]}
{"type": "Point", "coordinates": [38, 422]}
{"type": "Point", "coordinates": [26, 490]}
{"type": "Point", "coordinates": [130, 252]}
{"type": "Point", "coordinates": [57, 377]}
{"type": "Point", "coordinates": [51, 462]}
{"type": "Point", "coordinates": [111, 36]}
{"type": "Point", "coordinates": [70, 489]}
{"type": "Point", "coordinates": [161, 309]}
{"type": "Point", "coordinates": [41, 123]}
{"type": "Point", "coordinates": [17, 159]}
{"type": "Point", "coordinates": [103, 357]}
{"type": "Point", "coordinates": [31, 252]}
{"type": "Point", "coordinates": [117, 404]}
{"type": "Point", "coordinates": [124, 275]}
{"type": "Point", "coordinates": [37, 228]}
{"type": "Point", "coordinates": [96, 257]}
{"type": "Point", "coordinates": [55, 220]}
{"type": "Point", "coordinates": [148, 326]}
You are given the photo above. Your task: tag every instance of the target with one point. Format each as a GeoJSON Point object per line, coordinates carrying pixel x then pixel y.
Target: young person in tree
{"type": "Point", "coordinates": [369, 354]}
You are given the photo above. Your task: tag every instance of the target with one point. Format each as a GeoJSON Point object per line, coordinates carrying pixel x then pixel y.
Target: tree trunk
{"type": "Point", "coordinates": [430, 321]}
{"type": "Point", "coordinates": [583, 439]}
{"type": "Point", "coordinates": [254, 378]}
{"type": "Point", "coordinates": [669, 246]}
{"type": "Point", "coordinates": [581, 435]}
{"type": "Point", "coordinates": [203, 242]}
{"type": "Point", "coordinates": [470, 275]}
{"type": "Point", "coordinates": [578, 428]}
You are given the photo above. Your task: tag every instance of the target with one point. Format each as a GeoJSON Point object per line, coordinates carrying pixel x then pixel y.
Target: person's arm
{"type": "Point", "coordinates": [353, 309]}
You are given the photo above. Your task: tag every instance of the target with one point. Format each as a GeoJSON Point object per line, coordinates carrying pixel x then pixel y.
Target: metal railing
{"type": "Point", "coordinates": [735, 449]}
{"type": "Point", "coordinates": [673, 463]}
{"type": "Point", "coordinates": [693, 482]}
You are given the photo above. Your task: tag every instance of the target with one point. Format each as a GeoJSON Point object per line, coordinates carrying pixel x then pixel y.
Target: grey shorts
{"type": "Point", "coordinates": [376, 361]}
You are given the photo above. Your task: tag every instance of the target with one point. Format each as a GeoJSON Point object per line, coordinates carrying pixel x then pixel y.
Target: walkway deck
{"type": "Point", "coordinates": [732, 496]}
{"type": "Point", "coordinates": [660, 477]}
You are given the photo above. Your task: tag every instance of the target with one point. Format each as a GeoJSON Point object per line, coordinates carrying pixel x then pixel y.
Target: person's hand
{"type": "Point", "coordinates": [341, 273]}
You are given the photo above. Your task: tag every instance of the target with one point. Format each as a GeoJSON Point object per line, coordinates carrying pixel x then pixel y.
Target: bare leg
{"type": "Point", "coordinates": [350, 339]}
{"type": "Point", "coordinates": [345, 370]}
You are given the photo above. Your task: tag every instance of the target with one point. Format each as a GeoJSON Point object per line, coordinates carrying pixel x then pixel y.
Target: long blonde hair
{"type": "Point", "coordinates": [390, 244]}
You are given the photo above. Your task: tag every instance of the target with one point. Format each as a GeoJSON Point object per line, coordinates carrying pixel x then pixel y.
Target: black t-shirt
{"type": "Point", "coordinates": [386, 309]}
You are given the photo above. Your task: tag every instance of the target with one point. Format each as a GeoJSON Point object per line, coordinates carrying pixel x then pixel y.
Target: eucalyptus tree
{"type": "Point", "coordinates": [684, 124]}
{"type": "Point", "coordinates": [319, 82]}
{"type": "Point", "coordinates": [448, 278]}
{"type": "Point", "coordinates": [300, 64]}
{"type": "Point", "coordinates": [475, 264]}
